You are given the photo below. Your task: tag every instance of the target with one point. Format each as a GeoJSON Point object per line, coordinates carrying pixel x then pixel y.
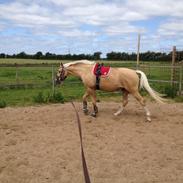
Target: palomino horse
{"type": "Point", "coordinates": [126, 80]}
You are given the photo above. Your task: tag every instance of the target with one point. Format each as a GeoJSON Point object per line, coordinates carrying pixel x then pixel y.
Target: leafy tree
{"type": "Point", "coordinates": [21, 55]}
{"type": "Point", "coordinates": [96, 55]}
{"type": "Point", "coordinates": [2, 55]}
{"type": "Point", "coordinates": [144, 56]}
{"type": "Point", "coordinates": [38, 55]}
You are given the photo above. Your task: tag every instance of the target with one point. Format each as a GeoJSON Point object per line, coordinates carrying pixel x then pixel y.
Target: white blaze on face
{"type": "Point", "coordinates": [59, 71]}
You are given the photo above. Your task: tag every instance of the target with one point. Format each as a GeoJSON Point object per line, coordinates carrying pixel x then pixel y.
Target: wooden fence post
{"type": "Point", "coordinates": [138, 51]}
{"type": "Point", "coordinates": [173, 64]}
{"type": "Point", "coordinates": [16, 76]}
{"type": "Point", "coordinates": [180, 81]}
{"type": "Point", "coordinates": [53, 81]}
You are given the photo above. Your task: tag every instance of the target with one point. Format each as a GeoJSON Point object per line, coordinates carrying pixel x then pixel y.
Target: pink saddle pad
{"type": "Point", "coordinates": [104, 70]}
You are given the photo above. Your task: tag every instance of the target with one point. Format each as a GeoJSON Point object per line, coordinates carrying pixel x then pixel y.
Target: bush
{"type": "Point", "coordinates": [39, 98]}
{"type": "Point", "coordinates": [171, 91]}
{"type": "Point", "coordinates": [57, 97]}
{"type": "Point", "coordinates": [2, 104]}
{"type": "Point", "coordinates": [179, 99]}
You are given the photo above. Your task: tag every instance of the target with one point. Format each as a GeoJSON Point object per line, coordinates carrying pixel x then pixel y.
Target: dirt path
{"type": "Point", "coordinates": [41, 144]}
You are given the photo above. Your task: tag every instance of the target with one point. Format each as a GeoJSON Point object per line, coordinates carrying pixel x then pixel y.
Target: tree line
{"type": "Point", "coordinates": [53, 56]}
{"type": "Point", "coordinates": [145, 56]}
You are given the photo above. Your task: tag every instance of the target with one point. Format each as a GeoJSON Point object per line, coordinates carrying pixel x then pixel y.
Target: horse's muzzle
{"type": "Point", "coordinates": [58, 80]}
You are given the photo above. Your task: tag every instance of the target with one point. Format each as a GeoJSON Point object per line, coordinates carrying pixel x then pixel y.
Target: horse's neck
{"type": "Point", "coordinates": [79, 70]}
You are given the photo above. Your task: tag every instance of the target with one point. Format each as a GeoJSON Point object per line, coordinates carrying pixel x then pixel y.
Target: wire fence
{"type": "Point", "coordinates": [38, 76]}
{"type": "Point", "coordinates": [162, 75]}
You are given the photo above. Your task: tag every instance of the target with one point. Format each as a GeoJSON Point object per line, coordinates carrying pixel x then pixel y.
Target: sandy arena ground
{"type": "Point", "coordinates": [41, 144]}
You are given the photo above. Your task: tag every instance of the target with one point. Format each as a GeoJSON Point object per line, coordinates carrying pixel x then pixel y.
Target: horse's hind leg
{"type": "Point", "coordinates": [143, 103]}
{"type": "Point", "coordinates": [125, 102]}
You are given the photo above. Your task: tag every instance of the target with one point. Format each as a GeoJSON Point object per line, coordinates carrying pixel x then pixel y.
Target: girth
{"type": "Point", "coordinates": [98, 74]}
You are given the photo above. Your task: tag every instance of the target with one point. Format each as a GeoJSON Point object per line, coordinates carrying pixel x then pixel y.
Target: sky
{"type": "Point", "coordinates": [87, 26]}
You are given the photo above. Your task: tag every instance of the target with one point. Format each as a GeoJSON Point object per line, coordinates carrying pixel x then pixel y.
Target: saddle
{"type": "Point", "coordinates": [100, 71]}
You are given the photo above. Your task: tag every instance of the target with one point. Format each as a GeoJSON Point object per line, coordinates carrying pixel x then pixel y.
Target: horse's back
{"type": "Point", "coordinates": [125, 72]}
{"type": "Point", "coordinates": [125, 77]}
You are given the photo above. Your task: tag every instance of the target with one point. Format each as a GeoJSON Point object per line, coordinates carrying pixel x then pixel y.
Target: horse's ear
{"type": "Point", "coordinates": [61, 64]}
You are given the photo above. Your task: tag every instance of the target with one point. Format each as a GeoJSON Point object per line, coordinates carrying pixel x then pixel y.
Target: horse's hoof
{"type": "Point", "coordinates": [117, 113]}
{"type": "Point", "coordinates": [85, 111]}
{"type": "Point", "coordinates": [148, 119]}
{"type": "Point", "coordinates": [93, 114]}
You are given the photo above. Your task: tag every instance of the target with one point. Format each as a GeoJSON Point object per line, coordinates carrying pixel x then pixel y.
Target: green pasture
{"type": "Point", "coordinates": [27, 61]}
{"type": "Point", "coordinates": [25, 96]}
{"type": "Point", "coordinates": [43, 74]}
{"type": "Point", "coordinates": [19, 86]}
{"type": "Point", "coordinates": [56, 62]}
{"type": "Point", "coordinates": [13, 75]}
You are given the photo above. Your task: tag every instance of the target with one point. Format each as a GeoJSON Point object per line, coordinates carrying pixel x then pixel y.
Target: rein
{"type": "Point", "coordinates": [62, 74]}
{"type": "Point", "coordinates": [85, 169]}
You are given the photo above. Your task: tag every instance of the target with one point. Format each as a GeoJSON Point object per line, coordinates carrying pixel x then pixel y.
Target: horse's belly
{"type": "Point", "coordinates": [110, 86]}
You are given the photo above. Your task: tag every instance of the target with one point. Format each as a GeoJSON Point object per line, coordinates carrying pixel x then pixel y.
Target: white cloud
{"type": "Point", "coordinates": [30, 15]}
{"type": "Point", "coordinates": [86, 22]}
{"type": "Point", "coordinates": [73, 3]}
{"type": "Point", "coordinates": [124, 28]}
{"type": "Point", "coordinates": [157, 8]}
{"type": "Point", "coordinates": [171, 27]}
{"type": "Point", "coordinates": [76, 33]}
{"type": "Point", "coordinates": [96, 14]}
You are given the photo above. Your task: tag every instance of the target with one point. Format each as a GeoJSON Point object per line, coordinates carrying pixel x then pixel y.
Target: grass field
{"type": "Point", "coordinates": [26, 82]}
{"type": "Point", "coordinates": [25, 96]}
{"type": "Point", "coordinates": [34, 61]}
{"type": "Point", "coordinates": [27, 61]}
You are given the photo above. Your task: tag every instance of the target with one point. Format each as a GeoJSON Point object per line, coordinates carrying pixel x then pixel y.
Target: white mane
{"type": "Point", "coordinates": [79, 61]}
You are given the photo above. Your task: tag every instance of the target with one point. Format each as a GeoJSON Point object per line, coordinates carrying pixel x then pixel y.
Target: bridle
{"type": "Point", "coordinates": [62, 76]}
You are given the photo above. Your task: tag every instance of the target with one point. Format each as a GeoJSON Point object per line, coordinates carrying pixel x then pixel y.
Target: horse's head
{"type": "Point", "coordinates": [61, 74]}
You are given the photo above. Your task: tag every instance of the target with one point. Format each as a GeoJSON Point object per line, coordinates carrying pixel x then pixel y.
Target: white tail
{"type": "Point", "coordinates": [145, 84]}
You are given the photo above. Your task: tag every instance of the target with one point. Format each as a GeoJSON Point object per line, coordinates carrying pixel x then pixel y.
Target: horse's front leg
{"type": "Point", "coordinates": [94, 102]}
{"type": "Point", "coordinates": [85, 96]}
